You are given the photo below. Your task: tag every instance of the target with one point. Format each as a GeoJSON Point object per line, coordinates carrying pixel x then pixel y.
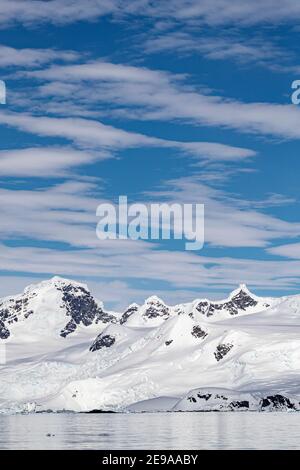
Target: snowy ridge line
{"type": "Point", "coordinates": [74, 300]}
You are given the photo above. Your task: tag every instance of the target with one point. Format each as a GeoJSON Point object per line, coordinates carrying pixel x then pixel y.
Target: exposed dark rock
{"type": "Point", "coordinates": [27, 314]}
{"type": "Point", "coordinates": [277, 402]}
{"type": "Point", "coordinates": [192, 399]}
{"type": "Point", "coordinates": [69, 328]}
{"type": "Point", "coordinates": [222, 350]}
{"type": "Point", "coordinates": [155, 308]}
{"type": "Point", "coordinates": [198, 332]}
{"type": "Point", "coordinates": [82, 308]}
{"type": "Point", "coordinates": [10, 311]}
{"type": "Point", "coordinates": [128, 313]}
{"type": "Point", "coordinates": [241, 301]}
{"type": "Point", "coordinates": [203, 307]}
{"type": "Point", "coordinates": [79, 304]}
{"type": "Point", "coordinates": [102, 341]}
{"type": "Point", "coordinates": [4, 332]}
{"type": "Point", "coordinates": [223, 397]}
{"type": "Point", "coordinates": [205, 396]}
{"type": "Point", "coordinates": [167, 343]}
{"type": "Point", "coordinates": [237, 404]}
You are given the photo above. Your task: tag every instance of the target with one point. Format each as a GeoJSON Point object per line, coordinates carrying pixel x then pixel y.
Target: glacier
{"type": "Point", "coordinates": [61, 350]}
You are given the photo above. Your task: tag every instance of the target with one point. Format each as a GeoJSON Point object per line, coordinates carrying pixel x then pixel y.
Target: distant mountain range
{"type": "Point", "coordinates": [62, 350]}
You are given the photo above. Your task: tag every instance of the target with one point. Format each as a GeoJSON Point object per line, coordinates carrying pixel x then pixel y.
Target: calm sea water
{"type": "Point", "coordinates": [151, 431]}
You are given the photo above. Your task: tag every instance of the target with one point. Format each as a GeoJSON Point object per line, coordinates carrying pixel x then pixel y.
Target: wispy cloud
{"type": "Point", "coordinates": [214, 45]}
{"type": "Point", "coordinates": [219, 12]}
{"type": "Point", "coordinates": [161, 96]}
{"type": "Point", "coordinates": [198, 274]}
{"type": "Point", "coordinates": [229, 220]}
{"type": "Point", "coordinates": [29, 12]}
{"type": "Point", "coordinates": [91, 109]}
{"type": "Point", "coordinates": [290, 250]}
{"type": "Point", "coordinates": [44, 162]}
{"type": "Point", "coordinates": [65, 214]}
{"type": "Point", "coordinates": [93, 135]}
{"type": "Point", "coordinates": [26, 58]}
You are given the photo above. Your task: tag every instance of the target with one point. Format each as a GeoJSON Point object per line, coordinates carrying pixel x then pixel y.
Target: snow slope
{"type": "Point", "coordinates": [65, 352]}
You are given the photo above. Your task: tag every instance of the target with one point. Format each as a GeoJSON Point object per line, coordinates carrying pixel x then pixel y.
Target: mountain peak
{"type": "Point", "coordinates": [241, 289]}
{"type": "Point", "coordinates": [54, 307]}
{"type": "Point", "coordinates": [154, 299]}
{"type": "Point", "coordinates": [56, 282]}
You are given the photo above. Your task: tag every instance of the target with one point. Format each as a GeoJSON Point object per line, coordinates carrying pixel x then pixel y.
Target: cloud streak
{"type": "Point", "coordinates": [25, 58]}
{"type": "Point", "coordinates": [156, 95]}
{"type": "Point", "coordinates": [219, 12]}
{"type": "Point", "coordinates": [93, 135]}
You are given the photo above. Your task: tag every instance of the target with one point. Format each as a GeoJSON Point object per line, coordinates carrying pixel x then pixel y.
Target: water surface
{"type": "Point", "coordinates": [151, 431]}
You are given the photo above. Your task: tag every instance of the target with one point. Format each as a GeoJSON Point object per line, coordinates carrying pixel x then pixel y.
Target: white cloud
{"type": "Point", "coordinates": [94, 135]}
{"type": "Point", "coordinates": [53, 11]}
{"type": "Point", "coordinates": [189, 272]}
{"type": "Point", "coordinates": [26, 58]}
{"type": "Point", "coordinates": [238, 12]}
{"type": "Point", "coordinates": [66, 214]}
{"type": "Point", "coordinates": [220, 46]}
{"type": "Point", "coordinates": [101, 70]}
{"type": "Point", "coordinates": [44, 162]}
{"type": "Point", "coordinates": [291, 250]}
{"type": "Point", "coordinates": [161, 96]}
{"type": "Point", "coordinates": [229, 221]}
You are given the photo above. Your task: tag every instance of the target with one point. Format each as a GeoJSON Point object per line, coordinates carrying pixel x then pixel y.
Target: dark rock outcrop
{"type": "Point", "coordinates": [82, 308]}
{"type": "Point", "coordinates": [11, 310]}
{"type": "Point", "coordinates": [156, 308]}
{"type": "Point", "coordinates": [102, 341]}
{"type": "Point", "coordinates": [197, 332]}
{"type": "Point", "coordinates": [240, 301]}
{"type": "Point", "coordinates": [130, 311]}
{"type": "Point", "coordinates": [222, 350]}
{"type": "Point", "coordinates": [276, 402]}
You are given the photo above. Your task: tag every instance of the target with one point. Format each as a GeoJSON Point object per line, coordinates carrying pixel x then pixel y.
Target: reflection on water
{"type": "Point", "coordinates": [151, 431]}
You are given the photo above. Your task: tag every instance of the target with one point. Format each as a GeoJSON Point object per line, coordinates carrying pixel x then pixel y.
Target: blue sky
{"type": "Point", "coordinates": [178, 101]}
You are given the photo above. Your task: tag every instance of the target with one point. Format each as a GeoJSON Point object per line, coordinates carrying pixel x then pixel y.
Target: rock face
{"type": "Point", "coordinates": [127, 314]}
{"type": "Point", "coordinates": [73, 301]}
{"type": "Point", "coordinates": [155, 308]}
{"type": "Point", "coordinates": [222, 350]}
{"type": "Point", "coordinates": [198, 332]}
{"type": "Point", "coordinates": [152, 312]}
{"type": "Point", "coordinates": [102, 341]}
{"type": "Point", "coordinates": [215, 399]}
{"type": "Point", "coordinates": [240, 301]}
{"type": "Point", "coordinates": [277, 402]}
{"type": "Point", "coordinates": [82, 308]}
{"type": "Point", "coordinates": [4, 332]}
{"type": "Point", "coordinates": [58, 304]}
{"type": "Point", "coordinates": [13, 309]}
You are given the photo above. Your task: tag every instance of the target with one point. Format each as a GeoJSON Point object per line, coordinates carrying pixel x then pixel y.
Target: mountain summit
{"type": "Point", "coordinates": [54, 307]}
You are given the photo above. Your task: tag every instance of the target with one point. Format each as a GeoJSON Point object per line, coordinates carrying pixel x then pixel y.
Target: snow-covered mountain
{"type": "Point", "coordinates": [57, 307]}
{"type": "Point", "coordinates": [61, 350]}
